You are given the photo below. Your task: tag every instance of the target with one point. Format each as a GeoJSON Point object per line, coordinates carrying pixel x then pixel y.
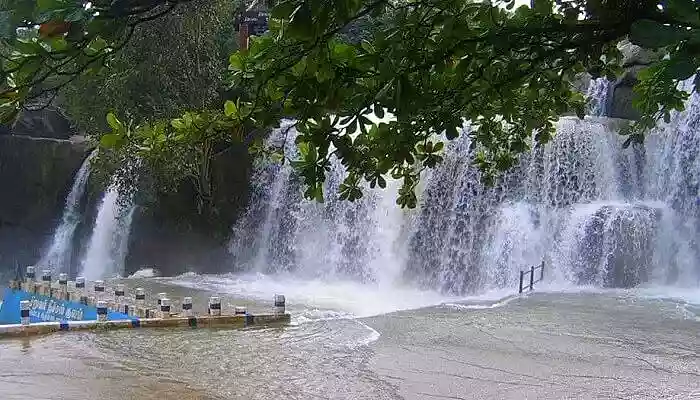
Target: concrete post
{"type": "Point", "coordinates": [187, 307]}
{"type": "Point", "coordinates": [63, 286]}
{"type": "Point", "coordinates": [46, 282]}
{"type": "Point", "coordinates": [119, 298]}
{"type": "Point", "coordinates": [29, 278]}
{"type": "Point", "coordinates": [24, 307]}
{"type": "Point", "coordinates": [165, 307]}
{"type": "Point", "coordinates": [101, 310]}
{"type": "Point", "coordinates": [140, 297]}
{"type": "Point", "coordinates": [214, 306]}
{"type": "Point", "coordinates": [99, 288]}
{"type": "Point", "coordinates": [80, 289]}
{"type": "Point", "coordinates": [279, 307]}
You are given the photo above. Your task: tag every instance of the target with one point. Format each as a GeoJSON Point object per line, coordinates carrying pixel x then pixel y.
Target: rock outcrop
{"type": "Point", "coordinates": [173, 238]}
{"type": "Point", "coordinates": [35, 176]}
{"type": "Point", "coordinates": [634, 59]}
{"type": "Point", "coordinates": [46, 123]}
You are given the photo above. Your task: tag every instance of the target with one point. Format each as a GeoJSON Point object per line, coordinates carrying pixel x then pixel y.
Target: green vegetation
{"type": "Point", "coordinates": [431, 64]}
{"type": "Point", "coordinates": [171, 65]}
{"type": "Point", "coordinates": [147, 84]}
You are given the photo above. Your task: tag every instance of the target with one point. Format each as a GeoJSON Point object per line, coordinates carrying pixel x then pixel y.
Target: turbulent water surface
{"type": "Point", "coordinates": [586, 345]}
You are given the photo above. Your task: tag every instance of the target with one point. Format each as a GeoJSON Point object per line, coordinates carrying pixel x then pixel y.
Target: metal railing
{"type": "Point", "coordinates": [524, 284]}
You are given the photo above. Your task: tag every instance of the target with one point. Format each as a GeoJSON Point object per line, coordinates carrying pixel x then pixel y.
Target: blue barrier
{"type": "Point", "coordinates": [45, 309]}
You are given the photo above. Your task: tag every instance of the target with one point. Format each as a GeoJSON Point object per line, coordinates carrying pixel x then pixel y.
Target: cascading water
{"type": "Point", "coordinates": [107, 248]}
{"type": "Point", "coordinates": [598, 215]}
{"type": "Point", "coordinates": [335, 240]}
{"type": "Point", "coordinates": [597, 96]}
{"type": "Point", "coordinates": [57, 257]}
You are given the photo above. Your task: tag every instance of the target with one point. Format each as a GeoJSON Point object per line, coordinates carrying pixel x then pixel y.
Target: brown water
{"type": "Point", "coordinates": [545, 346]}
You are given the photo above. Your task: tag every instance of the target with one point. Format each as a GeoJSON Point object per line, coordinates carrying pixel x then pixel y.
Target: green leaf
{"type": "Point", "coordinates": [382, 182]}
{"type": "Point", "coordinates": [8, 112]}
{"type": "Point", "coordinates": [683, 10]}
{"type": "Point", "coordinates": [76, 15]}
{"type": "Point", "coordinates": [235, 62]}
{"type": "Point", "coordinates": [7, 28]}
{"type": "Point", "coordinates": [651, 34]}
{"type": "Point", "coordinates": [178, 124]}
{"type": "Point", "coordinates": [109, 140]}
{"type": "Point", "coordinates": [230, 108]}
{"type": "Point", "coordinates": [379, 111]}
{"type": "Point", "coordinates": [58, 44]}
{"type": "Point", "coordinates": [680, 69]}
{"type": "Point", "coordinates": [451, 133]}
{"type": "Point", "coordinates": [352, 127]}
{"type": "Point", "coordinates": [276, 157]}
{"type": "Point", "coordinates": [45, 5]}
{"type": "Point", "coordinates": [301, 25]}
{"type": "Point", "coordinates": [97, 45]}
{"type": "Point", "coordinates": [114, 123]}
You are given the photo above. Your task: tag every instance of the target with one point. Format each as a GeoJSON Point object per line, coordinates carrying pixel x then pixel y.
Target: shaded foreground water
{"type": "Point", "coordinates": [603, 345]}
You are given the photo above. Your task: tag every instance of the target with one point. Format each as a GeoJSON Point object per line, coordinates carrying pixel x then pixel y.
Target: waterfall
{"type": "Point", "coordinates": [107, 248]}
{"type": "Point", "coordinates": [333, 240]}
{"type": "Point", "coordinates": [591, 209]}
{"type": "Point", "coordinates": [57, 257]}
{"type": "Point", "coordinates": [597, 214]}
{"type": "Point", "coordinates": [597, 96]}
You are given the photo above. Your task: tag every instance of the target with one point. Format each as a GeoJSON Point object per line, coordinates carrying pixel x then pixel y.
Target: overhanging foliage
{"type": "Point", "coordinates": [432, 64]}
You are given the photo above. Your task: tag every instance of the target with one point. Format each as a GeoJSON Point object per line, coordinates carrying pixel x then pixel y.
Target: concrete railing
{"type": "Point", "coordinates": [45, 305]}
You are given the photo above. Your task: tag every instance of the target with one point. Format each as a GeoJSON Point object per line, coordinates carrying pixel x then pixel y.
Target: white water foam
{"type": "Point", "coordinates": [317, 300]}
{"type": "Point", "coordinates": [355, 299]}
{"type": "Point", "coordinates": [686, 295]}
{"type": "Point", "coordinates": [144, 273]}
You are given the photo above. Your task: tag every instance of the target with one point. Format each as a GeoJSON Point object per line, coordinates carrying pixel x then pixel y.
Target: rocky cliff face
{"type": "Point", "coordinates": [46, 123]}
{"type": "Point", "coordinates": [35, 176]}
{"type": "Point", "coordinates": [173, 238]}
{"type": "Point", "coordinates": [634, 60]}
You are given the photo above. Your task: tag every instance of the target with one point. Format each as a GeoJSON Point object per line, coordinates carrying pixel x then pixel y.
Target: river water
{"type": "Point", "coordinates": [345, 344]}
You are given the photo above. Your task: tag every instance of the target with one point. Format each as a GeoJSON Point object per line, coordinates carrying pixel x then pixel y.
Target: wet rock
{"type": "Point", "coordinates": [173, 237]}
{"type": "Point", "coordinates": [634, 60]}
{"type": "Point", "coordinates": [620, 105]}
{"type": "Point", "coordinates": [47, 123]}
{"type": "Point", "coordinates": [635, 55]}
{"type": "Point", "coordinates": [35, 176]}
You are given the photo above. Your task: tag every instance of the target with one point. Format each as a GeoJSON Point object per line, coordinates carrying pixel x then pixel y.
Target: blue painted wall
{"type": "Point", "coordinates": [47, 309]}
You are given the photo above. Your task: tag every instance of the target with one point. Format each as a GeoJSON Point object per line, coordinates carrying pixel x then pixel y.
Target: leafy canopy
{"type": "Point", "coordinates": [432, 64]}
